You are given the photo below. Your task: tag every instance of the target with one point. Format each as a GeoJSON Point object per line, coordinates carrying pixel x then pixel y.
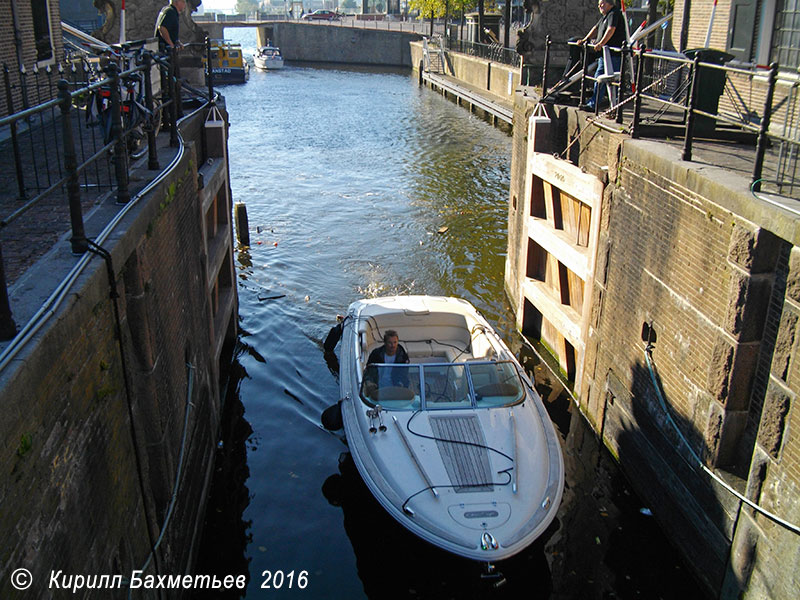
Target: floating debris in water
{"type": "Point", "coordinates": [646, 512]}
{"type": "Point", "coordinates": [442, 229]}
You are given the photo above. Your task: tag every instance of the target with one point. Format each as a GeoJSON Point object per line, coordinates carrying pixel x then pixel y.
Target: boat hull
{"type": "Point", "coordinates": [482, 479]}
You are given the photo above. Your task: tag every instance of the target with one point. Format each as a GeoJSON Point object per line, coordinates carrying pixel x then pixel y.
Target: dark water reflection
{"type": "Point", "coordinates": [349, 176]}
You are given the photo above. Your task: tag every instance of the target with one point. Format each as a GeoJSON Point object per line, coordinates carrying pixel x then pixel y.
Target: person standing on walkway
{"type": "Point", "coordinates": [168, 25]}
{"type": "Point", "coordinates": [609, 31]}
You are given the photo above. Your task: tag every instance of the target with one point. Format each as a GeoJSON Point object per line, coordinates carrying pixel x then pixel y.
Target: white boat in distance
{"type": "Point", "coordinates": [268, 58]}
{"type": "Point", "coordinates": [456, 445]}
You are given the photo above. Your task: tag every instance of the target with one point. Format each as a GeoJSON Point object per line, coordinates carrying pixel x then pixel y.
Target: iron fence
{"type": "Point", "coordinates": [493, 52]}
{"type": "Point", "coordinates": [670, 95]}
{"type": "Point", "coordinates": [59, 158]}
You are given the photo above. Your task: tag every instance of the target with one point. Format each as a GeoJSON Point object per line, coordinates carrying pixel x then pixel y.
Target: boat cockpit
{"type": "Point", "coordinates": [432, 386]}
{"type": "Point", "coordinates": [453, 363]}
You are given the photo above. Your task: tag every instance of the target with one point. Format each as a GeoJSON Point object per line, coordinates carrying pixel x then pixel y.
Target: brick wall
{"type": "Point", "coordinates": [93, 421]}
{"type": "Point", "coordinates": [715, 273]}
{"type": "Point", "coordinates": [11, 59]}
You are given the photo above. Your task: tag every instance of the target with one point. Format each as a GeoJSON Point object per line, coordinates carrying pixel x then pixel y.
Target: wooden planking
{"type": "Point", "coordinates": [554, 241]}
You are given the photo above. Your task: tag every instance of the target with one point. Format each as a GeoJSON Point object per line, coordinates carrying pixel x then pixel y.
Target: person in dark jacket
{"type": "Point", "coordinates": [390, 353]}
{"type": "Point", "coordinates": [168, 25]}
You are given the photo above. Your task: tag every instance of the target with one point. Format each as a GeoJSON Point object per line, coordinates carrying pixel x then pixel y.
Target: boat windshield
{"type": "Point", "coordinates": [433, 386]}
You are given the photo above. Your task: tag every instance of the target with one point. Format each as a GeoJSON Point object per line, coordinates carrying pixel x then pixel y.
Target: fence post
{"type": "Point", "coordinates": [546, 66]}
{"type": "Point", "coordinates": [761, 148]}
{"type": "Point", "coordinates": [687, 142]}
{"type": "Point", "coordinates": [8, 329]}
{"type": "Point", "coordinates": [623, 58]}
{"type": "Point", "coordinates": [177, 84]}
{"type": "Point", "coordinates": [582, 99]}
{"type": "Point", "coordinates": [637, 101]}
{"type": "Point", "coordinates": [152, 151]}
{"type": "Point", "coordinates": [209, 81]}
{"type": "Point", "coordinates": [120, 149]}
{"type": "Point", "coordinates": [78, 239]}
{"type": "Point", "coordinates": [14, 139]}
{"type": "Point", "coordinates": [173, 103]}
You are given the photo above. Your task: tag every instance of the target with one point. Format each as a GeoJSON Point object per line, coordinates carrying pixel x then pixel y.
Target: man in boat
{"type": "Point", "coordinates": [390, 353]}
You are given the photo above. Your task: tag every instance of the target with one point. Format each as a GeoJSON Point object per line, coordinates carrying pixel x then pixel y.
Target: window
{"type": "Point", "coordinates": [786, 39]}
{"type": "Point", "coordinates": [41, 29]}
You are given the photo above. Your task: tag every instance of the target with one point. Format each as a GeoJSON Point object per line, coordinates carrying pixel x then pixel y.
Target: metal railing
{"type": "Point", "coordinates": [493, 52]}
{"type": "Point", "coordinates": [667, 94]}
{"type": "Point", "coordinates": [58, 160]}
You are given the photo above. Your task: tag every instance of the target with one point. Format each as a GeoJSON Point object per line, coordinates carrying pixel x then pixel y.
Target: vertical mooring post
{"type": "Point", "coordinates": [78, 239]}
{"type": "Point", "coordinates": [761, 147]}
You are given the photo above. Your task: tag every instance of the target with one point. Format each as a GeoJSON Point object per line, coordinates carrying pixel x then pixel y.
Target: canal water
{"type": "Point", "coordinates": [359, 183]}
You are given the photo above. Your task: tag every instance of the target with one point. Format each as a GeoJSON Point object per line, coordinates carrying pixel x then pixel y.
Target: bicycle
{"type": "Point", "coordinates": [137, 119]}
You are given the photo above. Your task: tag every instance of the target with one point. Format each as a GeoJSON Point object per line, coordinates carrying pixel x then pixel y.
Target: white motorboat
{"type": "Point", "coordinates": [456, 445]}
{"type": "Point", "coordinates": [268, 58]}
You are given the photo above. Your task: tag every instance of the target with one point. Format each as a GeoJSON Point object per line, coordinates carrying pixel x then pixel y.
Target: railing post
{"type": "Point", "coordinates": [687, 142]}
{"type": "Point", "coordinates": [761, 147]}
{"type": "Point", "coordinates": [117, 131]}
{"type": "Point", "coordinates": [177, 67]}
{"type": "Point", "coordinates": [582, 99]}
{"type": "Point", "coordinates": [637, 102]}
{"type": "Point", "coordinates": [152, 151]}
{"type": "Point", "coordinates": [78, 239]}
{"type": "Point", "coordinates": [546, 66]}
{"type": "Point", "coordinates": [8, 329]}
{"type": "Point", "coordinates": [209, 81]}
{"type": "Point", "coordinates": [14, 139]}
{"type": "Point", "coordinates": [623, 84]}
{"type": "Point", "coordinates": [173, 103]}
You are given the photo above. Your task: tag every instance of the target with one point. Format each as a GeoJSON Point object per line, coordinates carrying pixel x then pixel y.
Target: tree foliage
{"type": "Point", "coordinates": [246, 6]}
{"type": "Point", "coordinates": [439, 7]}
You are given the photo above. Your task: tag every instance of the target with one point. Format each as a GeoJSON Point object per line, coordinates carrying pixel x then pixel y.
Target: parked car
{"type": "Point", "coordinates": [322, 15]}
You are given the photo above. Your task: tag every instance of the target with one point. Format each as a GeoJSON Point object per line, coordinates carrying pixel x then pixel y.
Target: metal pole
{"type": "Point", "coordinates": [152, 151]}
{"type": "Point", "coordinates": [622, 80]}
{"type": "Point", "coordinates": [582, 99]}
{"type": "Point", "coordinates": [178, 101]}
{"type": "Point", "coordinates": [687, 142]}
{"type": "Point", "coordinates": [14, 139]}
{"type": "Point", "coordinates": [8, 329]}
{"type": "Point", "coordinates": [117, 131]}
{"type": "Point", "coordinates": [637, 102]}
{"type": "Point", "coordinates": [78, 239]}
{"type": "Point", "coordinates": [761, 148]}
{"type": "Point", "coordinates": [209, 81]}
{"type": "Point", "coordinates": [173, 103]}
{"type": "Point", "coordinates": [546, 66]}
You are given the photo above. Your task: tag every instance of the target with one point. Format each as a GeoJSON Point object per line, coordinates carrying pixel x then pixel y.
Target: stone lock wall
{"type": "Point", "coordinates": [688, 254]}
{"type": "Point", "coordinates": [97, 408]}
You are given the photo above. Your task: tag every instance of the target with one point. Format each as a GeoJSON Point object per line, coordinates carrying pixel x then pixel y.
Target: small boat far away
{"type": "Point", "coordinates": [268, 58]}
{"type": "Point", "coordinates": [455, 444]}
